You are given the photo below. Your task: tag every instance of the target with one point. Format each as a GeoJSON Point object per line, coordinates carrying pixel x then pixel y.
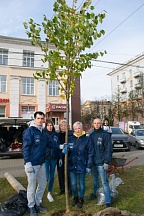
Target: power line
{"type": "Point", "coordinates": [97, 3]}
{"type": "Point", "coordinates": [110, 62]}
{"type": "Point", "coordinates": [107, 62]}
{"type": "Point", "coordinates": [117, 27]}
{"type": "Point", "coordinates": [80, 4]}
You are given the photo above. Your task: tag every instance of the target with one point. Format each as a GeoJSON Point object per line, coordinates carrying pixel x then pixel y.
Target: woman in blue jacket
{"type": "Point", "coordinates": [80, 160]}
{"type": "Point", "coordinates": [52, 156]}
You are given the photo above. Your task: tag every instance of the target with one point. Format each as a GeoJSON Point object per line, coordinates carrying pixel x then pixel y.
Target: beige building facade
{"type": "Point", "coordinates": [20, 94]}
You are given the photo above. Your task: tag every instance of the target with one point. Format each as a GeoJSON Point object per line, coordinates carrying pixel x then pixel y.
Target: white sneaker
{"type": "Point", "coordinates": [50, 198]}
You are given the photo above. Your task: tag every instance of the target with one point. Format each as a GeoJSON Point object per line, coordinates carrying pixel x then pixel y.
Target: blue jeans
{"type": "Point", "coordinates": [50, 165]}
{"type": "Point", "coordinates": [99, 171]}
{"type": "Point", "coordinates": [78, 179]}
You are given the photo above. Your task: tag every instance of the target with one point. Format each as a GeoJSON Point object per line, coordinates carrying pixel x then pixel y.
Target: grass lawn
{"type": "Point", "coordinates": [130, 193]}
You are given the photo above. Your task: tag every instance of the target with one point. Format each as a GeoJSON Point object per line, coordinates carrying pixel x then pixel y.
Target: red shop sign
{"type": "Point", "coordinates": [4, 100]}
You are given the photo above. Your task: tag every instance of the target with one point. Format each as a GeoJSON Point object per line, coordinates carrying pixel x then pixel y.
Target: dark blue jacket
{"type": "Point", "coordinates": [102, 145]}
{"type": "Point", "coordinates": [34, 146]}
{"type": "Point", "coordinates": [80, 156]}
{"type": "Point", "coordinates": [53, 153]}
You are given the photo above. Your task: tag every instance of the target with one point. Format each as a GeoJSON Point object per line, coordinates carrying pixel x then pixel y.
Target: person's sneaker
{"type": "Point", "coordinates": [50, 198]}
{"type": "Point", "coordinates": [41, 209]}
{"type": "Point", "coordinates": [75, 200]}
{"type": "Point", "coordinates": [80, 203]}
{"type": "Point", "coordinates": [108, 205]}
{"type": "Point", "coordinates": [32, 211]}
{"type": "Point", "coordinates": [92, 197]}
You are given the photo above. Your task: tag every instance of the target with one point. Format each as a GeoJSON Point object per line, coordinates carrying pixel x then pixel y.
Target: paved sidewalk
{"type": "Point", "coordinates": [14, 166]}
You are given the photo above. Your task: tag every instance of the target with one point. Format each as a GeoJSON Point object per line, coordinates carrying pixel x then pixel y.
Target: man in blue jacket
{"type": "Point", "coordinates": [35, 142]}
{"type": "Point", "coordinates": [103, 150]}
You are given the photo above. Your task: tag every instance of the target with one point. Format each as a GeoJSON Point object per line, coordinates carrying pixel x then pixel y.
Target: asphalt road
{"type": "Point", "coordinates": [16, 168]}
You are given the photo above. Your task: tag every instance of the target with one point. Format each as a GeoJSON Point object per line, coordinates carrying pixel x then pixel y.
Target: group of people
{"type": "Point", "coordinates": [44, 149]}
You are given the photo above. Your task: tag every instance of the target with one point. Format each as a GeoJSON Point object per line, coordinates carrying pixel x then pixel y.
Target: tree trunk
{"type": "Point", "coordinates": [66, 158]}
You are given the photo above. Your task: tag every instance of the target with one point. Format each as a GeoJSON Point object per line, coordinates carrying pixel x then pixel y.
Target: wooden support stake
{"type": "Point", "coordinates": [14, 183]}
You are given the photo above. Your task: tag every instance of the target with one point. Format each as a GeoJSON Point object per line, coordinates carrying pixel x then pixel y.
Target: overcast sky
{"type": "Point", "coordinates": [124, 38]}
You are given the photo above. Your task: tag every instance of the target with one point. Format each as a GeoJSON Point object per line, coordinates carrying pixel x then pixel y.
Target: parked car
{"type": "Point", "coordinates": [137, 138]}
{"type": "Point", "coordinates": [120, 140]}
{"type": "Point", "coordinates": [11, 130]}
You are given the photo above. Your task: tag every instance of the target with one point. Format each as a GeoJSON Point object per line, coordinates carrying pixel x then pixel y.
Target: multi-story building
{"type": "Point", "coordinates": [127, 85]}
{"type": "Point", "coordinates": [20, 94]}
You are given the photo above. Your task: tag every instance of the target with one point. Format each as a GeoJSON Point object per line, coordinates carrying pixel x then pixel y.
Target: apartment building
{"type": "Point", "coordinates": [20, 94]}
{"type": "Point", "coordinates": [129, 78]}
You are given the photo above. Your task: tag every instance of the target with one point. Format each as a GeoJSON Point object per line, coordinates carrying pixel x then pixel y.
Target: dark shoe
{"type": "Point", "coordinates": [70, 193]}
{"type": "Point", "coordinates": [75, 200]}
{"type": "Point", "coordinates": [108, 205]}
{"type": "Point", "coordinates": [32, 211]}
{"type": "Point", "coordinates": [40, 208]}
{"type": "Point", "coordinates": [92, 197]}
{"type": "Point", "coordinates": [80, 203]}
{"type": "Point", "coordinates": [61, 192]}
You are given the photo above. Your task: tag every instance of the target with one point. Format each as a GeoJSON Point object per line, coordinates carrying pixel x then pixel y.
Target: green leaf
{"type": "Point", "coordinates": [92, 7]}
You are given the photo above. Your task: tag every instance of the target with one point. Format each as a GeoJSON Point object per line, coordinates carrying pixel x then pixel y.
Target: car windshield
{"type": "Point", "coordinates": [136, 126]}
{"type": "Point", "coordinates": [117, 131]}
{"type": "Point", "coordinates": [140, 133]}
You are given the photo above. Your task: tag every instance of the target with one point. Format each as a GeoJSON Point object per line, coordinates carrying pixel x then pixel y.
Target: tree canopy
{"type": "Point", "coordinates": [72, 31]}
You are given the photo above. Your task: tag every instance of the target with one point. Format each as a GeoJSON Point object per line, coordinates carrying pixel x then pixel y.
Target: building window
{"type": "Point", "coordinates": [3, 57]}
{"type": "Point", "coordinates": [123, 85]}
{"type": "Point", "coordinates": [55, 120]}
{"type": "Point", "coordinates": [130, 71]}
{"type": "Point", "coordinates": [2, 83]}
{"type": "Point", "coordinates": [28, 86]}
{"type": "Point", "coordinates": [131, 83]}
{"type": "Point", "coordinates": [104, 109]}
{"type": "Point", "coordinates": [117, 78]}
{"type": "Point", "coordinates": [54, 88]}
{"type": "Point", "coordinates": [28, 59]}
{"type": "Point", "coordinates": [123, 75]}
{"type": "Point", "coordinates": [2, 111]}
{"type": "Point", "coordinates": [28, 111]}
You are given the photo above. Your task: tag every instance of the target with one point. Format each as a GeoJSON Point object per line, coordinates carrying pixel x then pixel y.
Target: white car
{"type": "Point", "coordinates": [137, 138]}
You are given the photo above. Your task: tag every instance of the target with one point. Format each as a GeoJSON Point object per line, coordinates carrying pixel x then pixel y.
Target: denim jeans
{"type": "Point", "coordinates": [34, 196]}
{"type": "Point", "coordinates": [50, 165]}
{"type": "Point", "coordinates": [99, 171]}
{"type": "Point", "coordinates": [78, 179]}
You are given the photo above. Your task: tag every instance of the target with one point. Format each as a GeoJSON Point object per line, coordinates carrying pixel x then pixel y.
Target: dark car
{"type": "Point", "coordinates": [120, 140]}
{"type": "Point", "coordinates": [11, 130]}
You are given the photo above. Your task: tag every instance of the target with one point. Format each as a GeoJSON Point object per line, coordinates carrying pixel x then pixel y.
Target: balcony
{"type": "Point", "coordinates": [123, 90]}
{"type": "Point", "coordinates": [123, 80]}
{"type": "Point", "coordinates": [123, 99]}
{"type": "Point", "coordinates": [137, 74]}
{"type": "Point", "coordinates": [138, 85]}
{"type": "Point", "coordinates": [139, 96]}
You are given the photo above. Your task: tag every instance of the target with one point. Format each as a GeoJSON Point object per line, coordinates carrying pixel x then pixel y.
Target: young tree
{"type": "Point", "coordinates": [72, 30]}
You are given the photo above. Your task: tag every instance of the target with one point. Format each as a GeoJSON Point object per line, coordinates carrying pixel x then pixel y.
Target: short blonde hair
{"type": "Point", "coordinates": [77, 123]}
